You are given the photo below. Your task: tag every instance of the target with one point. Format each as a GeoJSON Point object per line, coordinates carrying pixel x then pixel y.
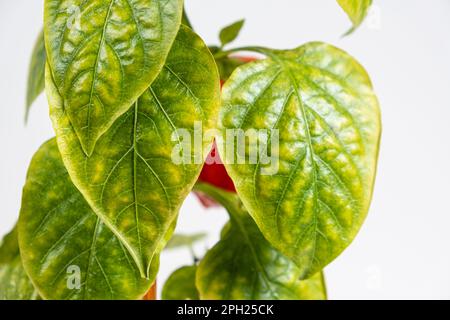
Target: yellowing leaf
{"type": "Point", "coordinates": [313, 196]}
{"type": "Point", "coordinates": [243, 265]}
{"type": "Point", "coordinates": [356, 11]}
{"type": "Point", "coordinates": [14, 282]}
{"type": "Point", "coordinates": [131, 180]}
{"type": "Point", "coordinates": [104, 54]}
{"type": "Point", "coordinates": [68, 252]}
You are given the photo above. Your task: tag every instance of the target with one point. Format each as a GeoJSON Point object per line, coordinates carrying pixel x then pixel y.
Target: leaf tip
{"type": "Point", "coordinates": [348, 32]}
{"type": "Point", "coordinates": [231, 32]}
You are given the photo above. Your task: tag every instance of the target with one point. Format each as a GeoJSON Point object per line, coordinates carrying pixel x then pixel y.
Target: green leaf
{"type": "Point", "coordinates": [36, 73]}
{"type": "Point", "coordinates": [14, 282]}
{"type": "Point", "coordinates": [64, 242]}
{"type": "Point", "coordinates": [104, 54]}
{"type": "Point", "coordinates": [9, 247]}
{"type": "Point", "coordinates": [356, 11]}
{"type": "Point", "coordinates": [184, 240]}
{"type": "Point", "coordinates": [311, 199]}
{"type": "Point", "coordinates": [243, 265]}
{"type": "Point", "coordinates": [231, 32]}
{"type": "Point", "coordinates": [131, 180]}
{"type": "Point", "coordinates": [181, 285]}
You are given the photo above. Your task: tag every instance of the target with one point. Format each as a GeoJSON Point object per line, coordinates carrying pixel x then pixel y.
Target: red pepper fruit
{"type": "Point", "coordinates": [215, 174]}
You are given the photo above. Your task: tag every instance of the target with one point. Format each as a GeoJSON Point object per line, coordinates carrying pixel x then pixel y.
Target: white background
{"type": "Point", "coordinates": [403, 249]}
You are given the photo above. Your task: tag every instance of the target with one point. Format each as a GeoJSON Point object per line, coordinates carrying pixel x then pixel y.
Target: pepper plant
{"type": "Point", "coordinates": [125, 81]}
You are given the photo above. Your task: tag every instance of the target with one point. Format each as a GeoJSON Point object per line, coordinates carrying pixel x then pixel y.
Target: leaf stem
{"type": "Point", "coordinates": [226, 53]}
{"type": "Point", "coordinates": [192, 252]}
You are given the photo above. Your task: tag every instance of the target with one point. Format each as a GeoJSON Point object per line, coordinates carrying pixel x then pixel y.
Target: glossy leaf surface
{"type": "Point", "coordinates": [131, 180]}
{"type": "Point", "coordinates": [243, 265]}
{"type": "Point", "coordinates": [36, 73]}
{"type": "Point", "coordinates": [181, 285]}
{"type": "Point", "coordinates": [356, 11]}
{"type": "Point", "coordinates": [103, 54]}
{"type": "Point", "coordinates": [66, 249]}
{"type": "Point", "coordinates": [14, 282]}
{"type": "Point", "coordinates": [315, 197]}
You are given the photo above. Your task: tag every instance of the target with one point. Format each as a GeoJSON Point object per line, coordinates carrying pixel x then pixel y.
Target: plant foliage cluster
{"type": "Point", "coordinates": [102, 198]}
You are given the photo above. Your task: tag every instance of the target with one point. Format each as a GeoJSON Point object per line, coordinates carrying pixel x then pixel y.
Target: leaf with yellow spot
{"type": "Point", "coordinates": [67, 251]}
{"type": "Point", "coordinates": [321, 118]}
{"type": "Point", "coordinates": [14, 282]}
{"type": "Point", "coordinates": [131, 180]}
{"type": "Point", "coordinates": [104, 54]}
{"type": "Point", "coordinates": [356, 11]}
{"type": "Point", "coordinates": [244, 266]}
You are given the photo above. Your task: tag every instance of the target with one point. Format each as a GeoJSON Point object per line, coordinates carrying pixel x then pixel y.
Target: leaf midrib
{"type": "Point", "coordinates": [311, 154]}
{"type": "Point", "coordinates": [135, 155]}
{"type": "Point", "coordinates": [91, 255]}
{"type": "Point", "coordinates": [102, 41]}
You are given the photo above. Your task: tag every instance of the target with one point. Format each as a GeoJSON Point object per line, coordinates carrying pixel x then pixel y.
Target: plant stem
{"type": "Point", "coordinates": [226, 53]}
